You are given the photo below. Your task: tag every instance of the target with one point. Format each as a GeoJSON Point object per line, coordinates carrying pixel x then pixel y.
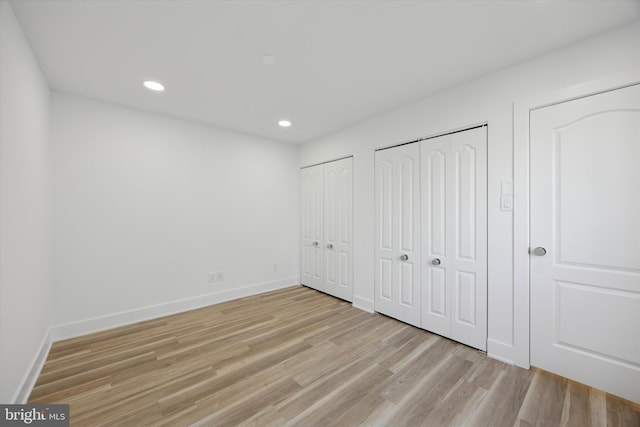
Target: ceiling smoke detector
{"type": "Point", "coordinates": [268, 60]}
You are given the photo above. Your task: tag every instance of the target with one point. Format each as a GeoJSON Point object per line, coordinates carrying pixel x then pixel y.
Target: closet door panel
{"type": "Point", "coordinates": [385, 228]}
{"type": "Point", "coordinates": [331, 220]}
{"type": "Point", "coordinates": [469, 237]}
{"type": "Point", "coordinates": [397, 287]}
{"type": "Point", "coordinates": [435, 178]}
{"type": "Point", "coordinates": [312, 222]}
{"type": "Point", "coordinates": [338, 229]}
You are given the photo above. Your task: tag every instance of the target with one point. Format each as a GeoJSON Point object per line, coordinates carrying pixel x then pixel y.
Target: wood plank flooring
{"type": "Point", "coordinates": [297, 357]}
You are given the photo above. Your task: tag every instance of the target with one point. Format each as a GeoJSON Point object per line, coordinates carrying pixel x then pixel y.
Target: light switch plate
{"type": "Point", "coordinates": [506, 202]}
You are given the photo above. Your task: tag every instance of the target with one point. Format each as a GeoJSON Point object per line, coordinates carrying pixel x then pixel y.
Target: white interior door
{"type": "Point", "coordinates": [436, 235]}
{"type": "Point", "coordinates": [585, 212]}
{"type": "Point", "coordinates": [338, 228]}
{"type": "Point", "coordinates": [397, 238]}
{"type": "Point", "coordinates": [454, 236]}
{"type": "Point", "coordinates": [312, 210]}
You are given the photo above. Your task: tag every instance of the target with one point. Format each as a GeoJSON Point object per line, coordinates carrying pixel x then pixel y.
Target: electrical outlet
{"type": "Point", "coordinates": [219, 276]}
{"type": "Point", "coordinates": [212, 277]}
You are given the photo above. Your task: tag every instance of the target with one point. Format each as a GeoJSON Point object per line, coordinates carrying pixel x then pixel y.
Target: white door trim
{"type": "Point", "coordinates": [521, 112]}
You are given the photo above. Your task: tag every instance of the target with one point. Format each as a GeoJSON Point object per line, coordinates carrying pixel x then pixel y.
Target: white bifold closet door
{"type": "Point", "coordinates": [327, 228]}
{"type": "Point", "coordinates": [431, 235]}
{"type": "Point", "coordinates": [397, 233]}
{"type": "Point", "coordinates": [454, 236]}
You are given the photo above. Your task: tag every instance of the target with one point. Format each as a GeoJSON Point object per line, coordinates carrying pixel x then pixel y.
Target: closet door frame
{"type": "Point", "coordinates": [330, 255]}
{"type": "Point", "coordinates": [453, 322]}
{"type": "Point", "coordinates": [519, 350]}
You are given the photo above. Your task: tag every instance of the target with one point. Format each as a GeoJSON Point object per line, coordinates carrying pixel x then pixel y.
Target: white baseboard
{"type": "Point", "coordinates": [500, 351]}
{"type": "Point", "coordinates": [364, 304]}
{"type": "Point", "coordinates": [31, 376]}
{"type": "Point", "coordinates": [97, 324]}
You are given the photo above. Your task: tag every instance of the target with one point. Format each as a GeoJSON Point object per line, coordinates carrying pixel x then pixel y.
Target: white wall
{"type": "Point", "coordinates": [485, 100]}
{"type": "Point", "coordinates": [146, 206]}
{"type": "Point", "coordinates": [25, 247]}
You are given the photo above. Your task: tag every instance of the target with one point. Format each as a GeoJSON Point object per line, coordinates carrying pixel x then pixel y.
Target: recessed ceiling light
{"type": "Point", "coordinates": [150, 84]}
{"type": "Point", "coordinates": [284, 123]}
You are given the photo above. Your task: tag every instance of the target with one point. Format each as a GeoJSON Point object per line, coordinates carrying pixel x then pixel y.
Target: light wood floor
{"type": "Point", "coordinates": [298, 357]}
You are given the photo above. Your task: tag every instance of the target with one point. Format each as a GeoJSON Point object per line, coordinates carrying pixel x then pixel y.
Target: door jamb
{"type": "Point", "coordinates": [521, 176]}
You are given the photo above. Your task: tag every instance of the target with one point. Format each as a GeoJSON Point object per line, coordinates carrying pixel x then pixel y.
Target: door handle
{"type": "Point", "coordinates": [539, 251]}
{"type": "Point", "coordinates": [436, 261]}
{"type": "Point", "coordinates": [404, 257]}
{"type": "Point", "coordinates": [329, 246]}
{"type": "Point", "coordinates": [316, 244]}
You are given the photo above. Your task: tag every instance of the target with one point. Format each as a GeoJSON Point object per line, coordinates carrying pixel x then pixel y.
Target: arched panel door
{"type": "Point", "coordinates": [397, 238]}
{"type": "Point", "coordinates": [454, 236]}
{"type": "Point", "coordinates": [311, 264]}
{"type": "Point", "coordinates": [338, 228]}
{"type": "Point", "coordinates": [585, 240]}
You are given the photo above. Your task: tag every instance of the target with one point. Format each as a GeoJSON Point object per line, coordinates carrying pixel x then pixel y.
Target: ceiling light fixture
{"type": "Point", "coordinates": [151, 85]}
{"type": "Point", "coordinates": [284, 123]}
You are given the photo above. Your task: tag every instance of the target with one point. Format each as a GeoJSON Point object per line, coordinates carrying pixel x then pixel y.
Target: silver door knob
{"type": "Point", "coordinates": [404, 257]}
{"type": "Point", "coordinates": [435, 261]}
{"type": "Point", "coordinates": [329, 246]}
{"type": "Point", "coordinates": [539, 251]}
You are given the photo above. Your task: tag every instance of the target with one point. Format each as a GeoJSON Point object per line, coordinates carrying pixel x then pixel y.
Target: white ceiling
{"type": "Point", "coordinates": [338, 62]}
